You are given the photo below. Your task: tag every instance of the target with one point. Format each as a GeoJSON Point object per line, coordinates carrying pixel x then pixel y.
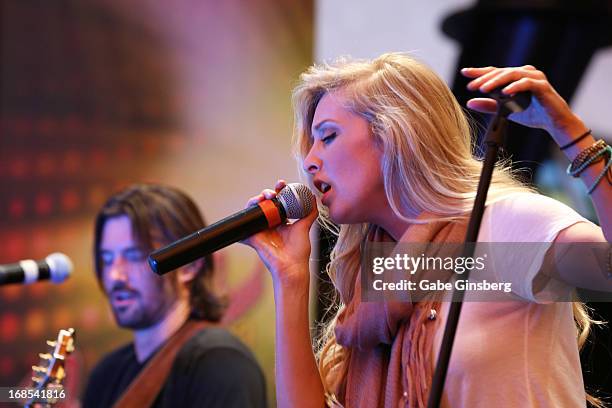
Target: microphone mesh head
{"type": "Point", "coordinates": [297, 199]}
{"type": "Point", "coordinates": [60, 266]}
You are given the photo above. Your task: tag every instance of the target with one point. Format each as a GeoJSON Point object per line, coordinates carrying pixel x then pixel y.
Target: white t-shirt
{"type": "Point", "coordinates": [516, 353]}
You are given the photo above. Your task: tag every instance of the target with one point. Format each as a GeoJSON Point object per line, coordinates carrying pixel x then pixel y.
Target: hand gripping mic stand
{"type": "Point", "coordinates": [494, 139]}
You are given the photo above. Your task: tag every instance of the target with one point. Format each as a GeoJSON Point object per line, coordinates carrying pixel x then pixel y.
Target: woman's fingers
{"type": "Point", "coordinates": [475, 84]}
{"type": "Point", "coordinates": [266, 194]}
{"type": "Point", "coordinates": [280, 184]}
{"type": "Point", "coordinates": [484, 105]}
{"type": "Point", "coordinates": [500, 79]}
{"type": "Point", "coordinates": [506, 78]}
{"type": "Point", "coordinates": [490, 78]}
{"type": "Point", "coordinates": [476, 72]}
{"type": "Point", "coordinates": [549, 112]}
{"type": "Point", "coordinates": [537, 86]}
{"type": "Point", "coordinates": [512, 80]}
{"type": "Point", "coordinates": [255, 199]}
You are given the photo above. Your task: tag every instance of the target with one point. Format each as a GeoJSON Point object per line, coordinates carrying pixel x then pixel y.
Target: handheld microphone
{"type": "Point", "coordinates": [292, 202]}
{"type": "Point", "coordinates": [56, 267]}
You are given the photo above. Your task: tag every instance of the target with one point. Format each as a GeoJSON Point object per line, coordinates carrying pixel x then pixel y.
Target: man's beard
{"type": "Point", "coordinates": [137, 316]}
{"type": "Point", "coordinates": [139, 312]}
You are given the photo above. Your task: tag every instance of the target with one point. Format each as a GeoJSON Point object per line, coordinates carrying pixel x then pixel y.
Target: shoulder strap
{"type": "Point", "coordinates": [143, 390]}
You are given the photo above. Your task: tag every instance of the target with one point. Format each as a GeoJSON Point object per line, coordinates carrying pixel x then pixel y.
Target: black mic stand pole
{"type": "Point", "coordinates": [494, 139]}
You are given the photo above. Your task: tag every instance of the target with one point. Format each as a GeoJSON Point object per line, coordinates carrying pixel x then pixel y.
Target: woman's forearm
{"type": "Point", "coordinates": [298, 383]}
{"type": "Point", "coordinates": [602, 194]}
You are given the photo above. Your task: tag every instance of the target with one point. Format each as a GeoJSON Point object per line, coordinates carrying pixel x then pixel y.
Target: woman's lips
{"type": "Point", "coordinates": [325, 197]}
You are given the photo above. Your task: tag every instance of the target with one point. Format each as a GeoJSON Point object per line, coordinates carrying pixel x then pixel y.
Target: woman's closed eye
{"type": "Point", "coordinates": [329, 138]}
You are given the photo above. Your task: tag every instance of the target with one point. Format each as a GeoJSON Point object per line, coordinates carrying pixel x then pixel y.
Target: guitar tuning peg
{"type": "Point", "coordinates": [51, 343]}
{"type": "Point", "coordinates": [44, 356]}
{"type": "Point", "coordinates": [38, 369]}
{"type": "Point", "coordinates": [36, 379]}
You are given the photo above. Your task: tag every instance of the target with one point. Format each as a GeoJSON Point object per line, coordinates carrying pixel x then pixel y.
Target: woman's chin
{"type": "Point", "coordinates": [335, 216]}
{"type": "Point", "coordinates": [343, 217]}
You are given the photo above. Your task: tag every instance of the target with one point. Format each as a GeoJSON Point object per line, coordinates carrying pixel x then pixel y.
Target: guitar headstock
{"type": "Point", "coordinates": [50, 371]}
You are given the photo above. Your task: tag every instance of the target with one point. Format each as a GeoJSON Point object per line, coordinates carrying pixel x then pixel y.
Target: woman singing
{"type": "Point", "coordinates": [387, 148]}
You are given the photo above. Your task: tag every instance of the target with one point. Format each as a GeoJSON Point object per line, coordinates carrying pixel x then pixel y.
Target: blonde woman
{"type": "Point", "coordinates": [387, 148]}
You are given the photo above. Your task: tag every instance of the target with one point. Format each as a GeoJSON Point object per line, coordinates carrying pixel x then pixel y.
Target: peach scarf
{"type": "Point", "coordinates": [389, 342]}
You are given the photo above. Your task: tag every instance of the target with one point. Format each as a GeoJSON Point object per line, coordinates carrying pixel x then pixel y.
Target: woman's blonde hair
{"type": "Point", "coordinates": [427, 161]}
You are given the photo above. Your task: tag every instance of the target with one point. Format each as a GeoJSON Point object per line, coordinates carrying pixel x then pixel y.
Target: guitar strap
{"type": "Point", "coordinates": [143, 390]}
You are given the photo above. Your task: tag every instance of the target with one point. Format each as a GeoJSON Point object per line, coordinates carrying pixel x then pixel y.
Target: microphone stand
{"type": "Point", "coordinates": [494, 140]}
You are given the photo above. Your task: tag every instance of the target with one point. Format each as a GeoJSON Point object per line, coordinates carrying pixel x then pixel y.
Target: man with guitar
{"type": "Point", "coordinates": [179, 357]}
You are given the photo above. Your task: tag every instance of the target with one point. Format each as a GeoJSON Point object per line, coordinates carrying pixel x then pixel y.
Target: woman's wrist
{"type": "Point", "coordinates": [568, 131]}
{"type": "Point", "coordinates": [292, 279]}
{"type": "Point", "coordinates": [291, 296]}
{"type": "Point", "coordinates": [573, 137]}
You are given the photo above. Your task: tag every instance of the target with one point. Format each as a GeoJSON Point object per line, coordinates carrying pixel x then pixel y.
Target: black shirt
{"type": "Point", "coordinates": [212, 370]}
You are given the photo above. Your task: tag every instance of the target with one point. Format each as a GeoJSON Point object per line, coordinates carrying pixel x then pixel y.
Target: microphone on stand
{"type": "Point", "coordinates": [292, 202]}
{"type": "Point", "coordinates": [513, 103]}
{"type": "Point", "coordinates": [55, 267]}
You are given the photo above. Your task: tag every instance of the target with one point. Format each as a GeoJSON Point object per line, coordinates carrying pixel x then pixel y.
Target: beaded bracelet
{"type": "Point", "coordinates": [586, 157]}
{"type": "Point", "coordinates": [604, 171]}
{"type": "Point", "coordinates": [576, 140]}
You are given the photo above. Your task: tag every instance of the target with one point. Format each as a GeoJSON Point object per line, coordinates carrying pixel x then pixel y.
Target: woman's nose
{"type": "Point", "coordinates": [312, 162]}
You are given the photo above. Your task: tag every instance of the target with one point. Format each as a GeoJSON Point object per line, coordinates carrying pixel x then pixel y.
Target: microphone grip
{"type": "Point", "coordinates": [11, 273]}
{"type": "Point", "coordinates": [24, 272]}
{"type": "Point", "coordinates": [227, 231]}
